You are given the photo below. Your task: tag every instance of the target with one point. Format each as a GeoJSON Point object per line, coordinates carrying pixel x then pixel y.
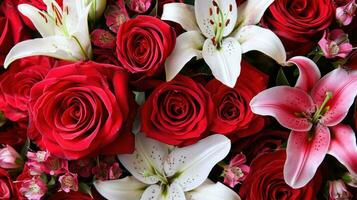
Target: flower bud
{"type": "Point", "coordinates": [9, 158]}
{"type": "Point", "coordinates": [338, 191]}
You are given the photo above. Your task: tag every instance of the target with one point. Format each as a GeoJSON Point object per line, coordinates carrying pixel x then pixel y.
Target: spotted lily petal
{"type": "Point", "coordinates": [305, 153]}
{"type": "Point", "coordinates": [309, 72]}
{"type": "Point", "coordinates": [191, 165]}
{"type": "Point", "coordinates": [286, 104]}
{"type": "Point", "coordinates": [264, 40]}
{"type": "Point", "coordinates": [127, 188]}
{"type": "Point", "coordinates": [343, 147]}
{"type": "Point", "coordinates": [224, 61]}
{"type": "Point", "coordinates": [182, 14]}
{"type": "Point", "coordinates": [153, 192]}
{"type": "Point", "coordinates": [147, 160]}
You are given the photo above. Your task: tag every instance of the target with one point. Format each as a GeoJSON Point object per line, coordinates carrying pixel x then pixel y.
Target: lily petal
{"type": "Point", "coordinates": [182, 14]}
{"type": "Point", "coordinates": [251, 11]}
{"type": "Point", "coordinates": [305, 152]}
{"type": "Point", "coordinates": [209, 15]}
{"type": "Point", "coordinates": [53, 46]}
{"type": "Point", "coordinates": [147, 160]}
{"type": "Point", "coordinates": [191, 165]}
{"type": "Point", "coordinates": [188, 45]}
{"type": "Point", "coordinates": [264, 40]}
{"type": "Point", "coordinates": [124, 189]}
{"type": "Point", "coordinates": [175, 192]}
{"type": "Point", "coordinates": [343, 86]}
{"type": "Point", "coordinates": [343, 147]}
{"type": "Point", "coordinates": [287, 105]}
{"type": "Point", "coordinates": [225, 61]}
{"type": "Point", "coordinates": [211, 191]}
{"type": "Point", "coordinates": [40, 19]}
{"type": "Point", "coordinates": [153, 192]}
{"type": "Point", "coordinates": [309, 72]}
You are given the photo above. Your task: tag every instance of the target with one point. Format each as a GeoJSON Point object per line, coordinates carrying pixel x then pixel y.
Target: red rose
{"type": "Point", "coordinates": [177, 111]}
{"type": "Point", "coordinates": [16, 83]}
{"type": "Point", "coordinates": [13, 134]}
{"type": "Point", "coordinates": [12, 28]}
{"type": "Point", "coordinates": [299, 24]}
{"type": "Point", "coordinates": [265, 181]}
{"type": "Point", "coordinates": [71, 195]}
{"type": "Point", "coordinates": [83, 109]}
{"type": "Point", "coordinates": [7, 188]}
{"type": "Point", "coordinates": [143, 44]}
{"type": "Point", "coordinates": [233, 116]}
{"type": "Point", "coordinates": [263, 142]}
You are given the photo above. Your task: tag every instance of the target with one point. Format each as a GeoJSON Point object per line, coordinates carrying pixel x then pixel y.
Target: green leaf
{"type": "Point", "coordinates": [25, 148]}
{"type": "Point", "coordinates": [2, 119]}
{"type": "Point", "coordinates": [281, 78]}
{"type": "Point", "coordinates": [85, 188]}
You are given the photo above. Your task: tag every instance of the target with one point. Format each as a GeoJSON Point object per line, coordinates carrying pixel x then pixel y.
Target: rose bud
{"type": "Point", "coordinates": [68, 182]}
{"type": "Point", "coordinates": [345, 14]}
{"type": "Point", "coordinates": [338, 190]}
{"type": "Point", "coordinates": [9, 158]}
{"type": "Point", "coordinates": [33, 189]}
{"type": "Point", "coordinates": [236, 171]}
{"type": "Point", "coordinates": [139, 6]}
{"type": "Point", "coordinates": [335, 44]}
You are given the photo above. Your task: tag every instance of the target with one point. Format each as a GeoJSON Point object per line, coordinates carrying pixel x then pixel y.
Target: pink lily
{"type": "Point", "coordinates": [313, 110]}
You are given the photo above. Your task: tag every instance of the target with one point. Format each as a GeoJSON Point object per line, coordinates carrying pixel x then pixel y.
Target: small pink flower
{"type": "Point", "coordinates": [39, 156]}
{"type": "Point", "coordinates": [42, 161]}
{"type": "Point", "coordinates": [338, 191]}
{"type": "Point", "coordinates": [9, 158]}
{"type": "Point", "coordinates": [139, 6]}
{"type": "Point", "coordinates": [114, 171]}
{"type": "Point", "coordinates": [101, 171]}
{"type": "Point", "coordinates": [335, 44]}
{"type": "Point", "coordinates": [102, 38]}
{"type": "Point", "coordinates": [33, 189]}
{"type": "Point", "coordinates": [345, 14]}
{"type": "Point", "coordinates": [236, 171]}
{"type": "Point", "coordinates": [115, 15]}
{"type": "Point", "coordinates": [68, 182]}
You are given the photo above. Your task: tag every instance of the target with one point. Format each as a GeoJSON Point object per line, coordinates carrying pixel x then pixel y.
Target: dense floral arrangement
{"type": "Point", "coordinates": [178, 100]}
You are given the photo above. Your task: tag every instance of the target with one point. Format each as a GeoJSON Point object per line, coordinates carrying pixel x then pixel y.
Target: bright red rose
{"type": "Point", "coordinates": [299, 23]}
{"type": "Point", "coordinates": [143, 44]}
{"type": "Point", "coordinates": [83, 109]}
{"type": "Point", "coordinates": [16, 83]}
{"type": "Point", "coordinates": [265, 181]}
{"type": "Point", "coordinates": [12, 28]}
{"type": "Point", "coordinates": [7, 188]}
{"type": "Point", "coordinates": [177, 111]}
{"type": "Point", "coordinates": [233, 116]}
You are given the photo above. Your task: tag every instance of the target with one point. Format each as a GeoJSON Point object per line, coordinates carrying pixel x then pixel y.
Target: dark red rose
{"type": "Point", "coordinates": [7, 188]}
{"type": "Point", "coordinates": [299, 23]}
{"type": "Point", "coordinates": [143, 44]}
{"type": "Point", "coordinates": [12, 28]}
{"type": "Point", "coordinates": [263, 142]}
{"type": "Point", "coordinates": [83, 109]}
{"type": "Point", "coordinates": [177, 111]}
{"type": "Point", "coordinates": [16, 83]}
{"type": "Point", "coordinates": [265, 181]}
{"type": "Point", "coordinates": [71, 195]}
{"type": "Point", "coordinates": [13, 134]}
{"type": "Point", "coordinates": [105, 56]}
{"type": "Point", "coordinates": [233, 116]}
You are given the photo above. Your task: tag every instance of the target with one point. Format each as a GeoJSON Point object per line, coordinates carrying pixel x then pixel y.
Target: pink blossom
{"type": "Point", "coordinates": [313, 111]}
{"type": "Point", "coordinates": [335, 44]}
{"type": "Point", "coordinates": [33, 189]}
{"type": "Point", "coordinates": [42, 161]}
{"type": "Point", "coordinates": [139, 6]}
{"type": "Point", "coordinates": [115, 15]}
{"type": "Point", "coordinates": [236, 171]}
{"type": "Point", "coordinates": [68, 181]}
{"type": "Point", "coordinates": [338, 191]}
{"type": "Point", "coordinates": [9, 158]}
{"type": "Point", "coordinates": [345, 14]}
{"type": "Point", "coordinates": [114, 171]}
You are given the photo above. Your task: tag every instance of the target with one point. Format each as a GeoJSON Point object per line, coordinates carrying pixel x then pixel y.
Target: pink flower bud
{"type": "Point", "coordinates": [236, 171]}
{"type": "Point", "coordinates": [33, 189]}
{"type": "Point", "coordinates": [139, 6]}
{"type": "Point", "coordinates": [338, 191]}
{"type": "Point", "coordinates": [68, 182]}
{"type": "Point", "coordinates": [115, 171]}
{"type": "Point", "coordinates": [345, 14]}
{"type": "Point", "coordinates": [115, 15]}
{"type": "Point", "coordinates": [335, 44]}
{"type": "Point", "coordinates": [9, 158]}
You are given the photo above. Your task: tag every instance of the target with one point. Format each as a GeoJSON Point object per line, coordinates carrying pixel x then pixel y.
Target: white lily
{"type": "Point", "coordinates": [162, 172]}
{"type": "Point", "coordinates": [220, 32]}
{"type": "Point", "coordinates": [64, 32]}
